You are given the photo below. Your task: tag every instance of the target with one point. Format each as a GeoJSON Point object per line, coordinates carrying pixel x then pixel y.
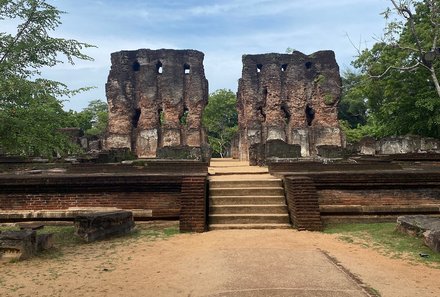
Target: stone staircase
{"type": "Point", "coordinates": [252, 199]}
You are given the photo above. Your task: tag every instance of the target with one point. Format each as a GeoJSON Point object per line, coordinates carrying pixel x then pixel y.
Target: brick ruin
{"type": "Point", "coordinates": [289, 97]}
{"type": "Point", "coordinates": [156, 99]}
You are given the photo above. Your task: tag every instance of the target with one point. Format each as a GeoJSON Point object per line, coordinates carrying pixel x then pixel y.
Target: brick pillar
{"type": "Point", "coordinates": [193, 204]}
{"type": "Point", "coordinates": [303, 203]}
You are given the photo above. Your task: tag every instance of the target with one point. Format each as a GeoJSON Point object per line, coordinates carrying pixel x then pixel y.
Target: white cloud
{"type": "Point", "coordinates": [223, 30]}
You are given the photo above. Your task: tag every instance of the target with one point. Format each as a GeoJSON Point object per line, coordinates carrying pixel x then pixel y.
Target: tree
{"type": "Point", "coordinates": [30, 111]}
{"type": "Point", "coordinates": [353, 104]}
{"type": "Point", "coordinates": [398, 75]}
{"type": "Point", "coordinates": [220, 118]}
{"type": "Point", "coordinates": [92, 120]}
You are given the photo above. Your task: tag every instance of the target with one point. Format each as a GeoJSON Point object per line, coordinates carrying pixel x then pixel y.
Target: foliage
{"type": "Point", "coordinates": [30, 111]}
{"type": "Point", "coordinates": [385, 238]}
{"type": "Point", "coordinates": [220, 118]}
{"type": "Point", "coordinates": [353, 104]}
{"type": "Point", "coordinates": [92, 120]}
{"type": "Point", "coordinates": [397, 88]}
{"type": "Point", "coordinates": [29, 120]}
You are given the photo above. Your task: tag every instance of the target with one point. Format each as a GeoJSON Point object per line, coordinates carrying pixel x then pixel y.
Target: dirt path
{"type": "Point", "coordinates": [218, 263]}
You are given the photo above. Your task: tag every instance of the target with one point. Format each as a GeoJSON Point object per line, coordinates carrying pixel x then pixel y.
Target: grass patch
{"type": "Point", "coordinates": [65, 239]}
{"type": "Point", "coordinates": [385, 238]}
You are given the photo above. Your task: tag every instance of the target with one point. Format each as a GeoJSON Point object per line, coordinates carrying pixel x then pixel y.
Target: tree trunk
{"type": "Point", "coordinates": [435, 80]}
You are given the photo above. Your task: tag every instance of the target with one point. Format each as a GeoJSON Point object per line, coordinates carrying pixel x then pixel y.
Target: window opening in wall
{"type": "Point", "coordinates": [187, 69]}
{"type": "Point", "coordinates": [259, 67]}
{"type": "Point", "coordinates": [286, 113]}
{"type": "Point", "coordinates": [310, 115]}
{"type": "Point", "coordinates": [159, 67]}
{"type": "Point", "coordinates": [161, 116]}
{"type": "Point", "coordinates": [261, 112]}
{"type": "Point", "coordinates": [184, 117]}
{"type": "Point", "coordinates": [265, 92]}
{"type": "Point", "coordinates": [136, 117]}
{"type": "Point", "coordinates": [283, 67]}
{"type": "Point", "coordinates": [136, 66]}
{"type": "Point", "coordinates": [308, 65]}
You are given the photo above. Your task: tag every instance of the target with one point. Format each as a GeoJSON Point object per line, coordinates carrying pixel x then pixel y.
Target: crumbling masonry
{"type": "Point", "coordinates": [156, 99]}
{"type": "Point", "coordinates": [289, 97]}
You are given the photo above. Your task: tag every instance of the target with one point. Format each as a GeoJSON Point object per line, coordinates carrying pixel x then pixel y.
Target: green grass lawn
{"type": "Point", "coordinates": [385, 238]}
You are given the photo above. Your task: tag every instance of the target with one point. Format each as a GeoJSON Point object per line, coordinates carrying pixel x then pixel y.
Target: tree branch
{"type": "Point", "coordinates": [411, 68]}
{"type": "Point", "coordinates": [19, 34]}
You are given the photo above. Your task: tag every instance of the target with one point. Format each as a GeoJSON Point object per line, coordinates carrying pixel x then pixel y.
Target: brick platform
{"type": "Point", "coordinates": [174, 195]}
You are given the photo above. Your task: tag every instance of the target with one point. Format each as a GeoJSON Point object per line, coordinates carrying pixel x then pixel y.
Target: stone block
{"type": "Point", "coordinates": [171, 137]}
{"type": "Point", "coordinates": [416, 225]}
{"type": "Point", "coordinates": [432, 240]}
{"type": "Point", "coordinates": [17, 245]}
{"type": "Point", "coordinates": [301, 138]}
{"type": "Point", "coordinates": [331, 151]}
{"type": "Point", "coordinates": [102, 225]}
{"type": "Point", "coordinates": [95, 145]}
{"type": "Point", "coordinates": [182, 152]}
{"type": "Point", "coordinates": [280, 149]}
{"type": "Point", "coordinates": [44, 242]}
{"type": "Point", "coordinates": [146, 143]}
{"type": "Point", "coordinates": [257, 154]}
{"type": "Point", "coordinates": [84, 142]}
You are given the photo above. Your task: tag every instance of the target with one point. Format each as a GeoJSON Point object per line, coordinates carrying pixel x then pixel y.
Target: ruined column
{"type": "Point", "coordinates": [289, 97]}
{"type": "Point", "coordinates": [156, 99]}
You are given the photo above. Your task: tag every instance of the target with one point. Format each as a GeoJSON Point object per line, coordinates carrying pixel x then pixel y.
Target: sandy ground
{"type": "Point", "coordinates": [218, 263]}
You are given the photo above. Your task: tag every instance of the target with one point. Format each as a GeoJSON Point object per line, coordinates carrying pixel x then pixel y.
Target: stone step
{"type": "Point", "coordinates": [249, 200]}
{"type": "Point", "coordinates": [228, 170]}
{"type": "Point", "coordinates": [248, 209]}
{"type": "Point", "coordinates": [247, 191]}
{"type": "Point", "coordinates": [213, 227]}
{"type": "Point", "coordinates": [258, 218]}
{"type": "Point", "coordinates": [269, 183]}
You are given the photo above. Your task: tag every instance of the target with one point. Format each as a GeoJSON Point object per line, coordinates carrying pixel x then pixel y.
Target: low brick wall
{"type": "Point", "coordinates": [365, 196]}
{"type": "Point", "coordinates": [149, 196]}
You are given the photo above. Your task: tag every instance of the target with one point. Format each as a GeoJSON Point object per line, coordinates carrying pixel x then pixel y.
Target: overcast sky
{"type": "Point", "coordinates": [223, 29]}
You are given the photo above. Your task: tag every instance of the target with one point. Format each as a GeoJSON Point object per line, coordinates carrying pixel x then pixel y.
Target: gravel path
{"type": "Point", "coordinates": [219, 263]}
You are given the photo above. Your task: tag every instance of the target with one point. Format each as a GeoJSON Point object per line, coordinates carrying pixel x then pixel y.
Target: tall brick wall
{"type": "Point", "coordinates": [156, 99]}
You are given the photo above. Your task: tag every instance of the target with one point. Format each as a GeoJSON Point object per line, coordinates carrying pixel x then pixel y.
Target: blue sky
{"type": "Point", "coordinates": [223, 29]}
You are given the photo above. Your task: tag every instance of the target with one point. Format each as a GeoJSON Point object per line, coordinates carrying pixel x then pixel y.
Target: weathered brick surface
{"type": "Point", "coordinates": [166, 196]}
{"type": "Point", "coordinates": [156, 99]}
{"type": "Point", "coordinates": [302, 201]}
{"type": "Point", "coordinates": [193, 204]}
{"type": "Point", "coordinates": [374, 195]}
{"type": "Point", "coordinates": [289, 97]}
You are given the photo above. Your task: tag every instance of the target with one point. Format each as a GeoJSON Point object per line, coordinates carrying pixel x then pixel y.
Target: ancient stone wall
{"type": "Point", "coordinates": [156, 99]}
{"type": "Point", "coordinates": [290, 97]}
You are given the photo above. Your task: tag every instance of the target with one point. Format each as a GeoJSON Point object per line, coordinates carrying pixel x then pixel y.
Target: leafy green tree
{"type": "Point", "coordinates": [398, 75]}
{"type": "Point", "coordinates": [30, 126]}
{"type": "Point", "coordinates": [220, 118]}
{"type": "Point", "coordinates": [353, 104]}
{"type": "Point", "coordinates": [92, 120]}
{"type": "Point", "coordinates": [30, 111]}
